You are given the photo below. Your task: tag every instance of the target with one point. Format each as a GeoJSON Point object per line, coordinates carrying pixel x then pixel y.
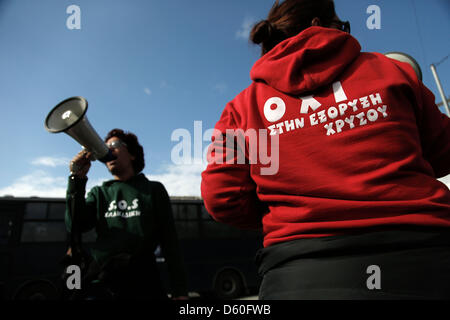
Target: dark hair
{"type": "Point", "coordinates": [133, 146]}
{"type": "Point", "coordinates": [289, 18]}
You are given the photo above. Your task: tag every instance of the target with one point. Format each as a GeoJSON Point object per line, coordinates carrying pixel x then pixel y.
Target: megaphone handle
{"type": "Point", "coordinates": [81, 163]}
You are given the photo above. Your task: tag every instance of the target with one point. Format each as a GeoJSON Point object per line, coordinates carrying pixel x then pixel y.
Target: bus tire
{"type": "Point", "coordinates": [228, 284]}
{"type": "Point", "coordinates": [36, 290]}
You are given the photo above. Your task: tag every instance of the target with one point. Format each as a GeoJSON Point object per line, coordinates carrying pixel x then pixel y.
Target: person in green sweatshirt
{"type": "Point", "coordinates": [131, 216]}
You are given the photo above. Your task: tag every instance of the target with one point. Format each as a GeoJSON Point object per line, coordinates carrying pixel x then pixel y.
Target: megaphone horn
{"type": "Point", "coordinates": [69, 116]}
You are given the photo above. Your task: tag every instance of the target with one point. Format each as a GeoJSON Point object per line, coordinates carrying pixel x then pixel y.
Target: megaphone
{"type": "Point", "coordinates": [69, 116]}
{"type": "Point", "coordinates": [403, 57]}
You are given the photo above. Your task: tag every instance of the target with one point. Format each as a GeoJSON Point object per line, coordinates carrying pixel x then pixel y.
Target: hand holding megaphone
{"type": "Point", "coordinates": [69, 116]}
{"type": "Point", "coordinates": [81, 163]}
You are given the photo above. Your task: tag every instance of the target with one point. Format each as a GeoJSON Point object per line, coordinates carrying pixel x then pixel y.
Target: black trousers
{"type": "Point", "coordinates": [382, 265]}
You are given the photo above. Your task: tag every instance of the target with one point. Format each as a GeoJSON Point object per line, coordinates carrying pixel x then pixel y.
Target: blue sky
{"type": "Point", "coordinates": [152, 67]}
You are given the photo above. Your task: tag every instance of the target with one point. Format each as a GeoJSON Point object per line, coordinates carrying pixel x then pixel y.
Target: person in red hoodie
{"type": "Point", "coordinates": [348, 201]}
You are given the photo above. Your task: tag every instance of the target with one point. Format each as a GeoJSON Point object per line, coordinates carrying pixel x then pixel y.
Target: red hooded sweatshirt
{"type": "Point", "coordinates": [359, 143]}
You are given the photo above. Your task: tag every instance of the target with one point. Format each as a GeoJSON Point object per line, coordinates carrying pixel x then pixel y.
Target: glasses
{"type": "Point", "coordinates": [116, 144]}
{"type": "Point", "coordinates": [341, 25]}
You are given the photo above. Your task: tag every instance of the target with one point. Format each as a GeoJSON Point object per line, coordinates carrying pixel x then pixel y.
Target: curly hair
{"type": "Point", "coordinates": [133, 146]}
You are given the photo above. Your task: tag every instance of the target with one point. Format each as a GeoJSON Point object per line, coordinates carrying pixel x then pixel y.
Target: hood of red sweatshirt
{"type": "Point", "coordinates": [307, 61]}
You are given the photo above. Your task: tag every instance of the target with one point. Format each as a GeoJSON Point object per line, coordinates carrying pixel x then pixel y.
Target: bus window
{"type": "Point", "coordinates": [38, 228]}
{"type": "Point", "coordinates": [35, 211]}
{"type": "Point", "coordinates": [186, 212]}
{"type": "Point", "coordinates": [214, 229]}
{"type": "Point", "coordinates": [186, 220]}
{"type": "Point", "coordinates": [56, 211]}
{"type": "Point", "coordinates": [174, 210]}
{"type": "Point", "coordinates": [34, 231]}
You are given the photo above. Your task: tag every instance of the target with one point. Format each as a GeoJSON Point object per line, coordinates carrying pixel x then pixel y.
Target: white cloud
{"type": "Point", "coordinates": [246, 27]}
{"type": "Point", "coordinates": [148, 91]}
{"type": "Point", "coordinates": [39, 183]}
{"type": "Point", "coordinates": [43, 184]}
{"type": "Point", "coordinates": [50, 161]}
{"type": "Point", "coordinates": [181, 180]}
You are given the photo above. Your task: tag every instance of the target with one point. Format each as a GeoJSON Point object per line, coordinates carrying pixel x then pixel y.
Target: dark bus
{"type": "Point", "coordinates": [33, 240]}
{"type": "Point", "coordinates": [218, 258]}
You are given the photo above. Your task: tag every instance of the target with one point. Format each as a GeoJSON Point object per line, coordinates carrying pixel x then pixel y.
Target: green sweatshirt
{"type": "Point", "coordinates": [131, 217]}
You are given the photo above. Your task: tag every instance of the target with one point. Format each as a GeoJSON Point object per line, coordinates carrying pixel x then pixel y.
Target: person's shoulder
{"type": "Point", "coordinates": [377, 57]}
{"type": "Point", "coordinates": [153, 184]}
{"type": "Point", "coordinates": [245, 94]}
{"type": "Point", "coordinates": [251, 91]}
{"type": "Point", "coordinates": [236, 111]}
{"type": "Point", "coordinates": [404, 64]}
{"type": "Point", "coordinates": [95, 191]}
{"type": "Point", "coordinates": [371, 58]}
{"type": "Point", "coordinates": [104, 187]}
